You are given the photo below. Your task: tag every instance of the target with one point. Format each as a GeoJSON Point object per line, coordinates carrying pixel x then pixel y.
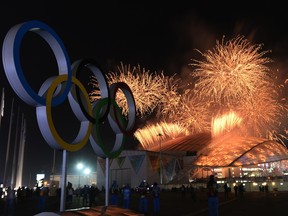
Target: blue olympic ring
{"type": "Point", "coordinates": [53, 92]}
{"type": "Point", "coordinates": [12, 66]}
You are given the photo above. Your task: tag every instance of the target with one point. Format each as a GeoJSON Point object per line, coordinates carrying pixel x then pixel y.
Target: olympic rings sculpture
{"type": "Point", "coordinates": [56, 89]}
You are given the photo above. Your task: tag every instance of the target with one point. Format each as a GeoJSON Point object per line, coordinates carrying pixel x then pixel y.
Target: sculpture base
{"type": "Point", "coordinates": [101, 210]}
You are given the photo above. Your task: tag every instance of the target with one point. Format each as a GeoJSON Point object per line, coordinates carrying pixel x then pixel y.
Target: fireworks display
{"type": "Point", "coordinates": [235, 97]}
{"type": "Point", "coordinates": [149, 89]}
{"type": "Point", "coordinates": [235, 76]}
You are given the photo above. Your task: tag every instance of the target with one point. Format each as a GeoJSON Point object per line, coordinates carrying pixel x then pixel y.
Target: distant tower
{"type": "Point", "coordinates": [21, 153]}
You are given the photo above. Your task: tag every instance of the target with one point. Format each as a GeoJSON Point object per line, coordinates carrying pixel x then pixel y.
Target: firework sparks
{"type": "Point", "coordinates": [263, 113]}
{"type": "Point", "coordinates": [225, 123]}
{"type": "Point", "coordinates": [190, 113]}
{"type": "Point", "coordinates": [149, 89]}
{"type": "Point", "coordinates": [231, 72]}
{"type": "Point", "coordinates": [149, 135]}
{"type": "Point", "coordinates": [168, 107]}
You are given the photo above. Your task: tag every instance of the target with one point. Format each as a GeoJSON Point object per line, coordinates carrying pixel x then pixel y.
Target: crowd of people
{"type": "Point", "coordinates": [121, 196]}
{"type": "Point", "coordinates": [89, 196]}
{"type": "Point", "coordinates": [144, 190]}
{"type": "Point", "coordinates": [10, 197]}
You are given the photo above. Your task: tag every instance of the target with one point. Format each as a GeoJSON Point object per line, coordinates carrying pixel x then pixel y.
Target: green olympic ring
{"type": "Point", "coordinates": [96, 139]}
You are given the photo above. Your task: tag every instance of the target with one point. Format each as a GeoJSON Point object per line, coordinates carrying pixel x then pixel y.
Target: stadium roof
{"type": "Point", "coordinates": [226, 150]}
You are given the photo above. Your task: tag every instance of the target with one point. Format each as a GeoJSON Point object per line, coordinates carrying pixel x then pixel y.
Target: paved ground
{"type": "Point", "coordinates": [253, 203]}
{"type": "Point", "coordinates": [172, 203]}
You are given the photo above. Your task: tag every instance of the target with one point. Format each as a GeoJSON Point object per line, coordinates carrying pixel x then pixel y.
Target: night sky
{"type": "Point", "coordinates": [158, 37]}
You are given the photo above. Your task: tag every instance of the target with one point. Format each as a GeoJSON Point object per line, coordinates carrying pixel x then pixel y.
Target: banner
{"type": "Point", "coordinates": [154, 160]}
{"type": "Point", "coordinates": [136, 161]}
{"type": "Point", "coordinates": [102, 163]}
{"type": "Point", "coordinates": [178, 166]}
{"type": "Point", "coordinates": [120, 161]}
{"type": "Point", "coordinates": [169, 168]}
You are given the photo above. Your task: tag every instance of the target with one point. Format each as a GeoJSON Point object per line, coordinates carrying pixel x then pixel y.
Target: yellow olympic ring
{"type": "Point", "coordinates": [53, 138]}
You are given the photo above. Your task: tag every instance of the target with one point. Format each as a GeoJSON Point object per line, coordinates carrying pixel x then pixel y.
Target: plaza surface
{"type": "Point", "coordinates": [252, 203]}
{"type": "Point", "coordinates": [172, 203]}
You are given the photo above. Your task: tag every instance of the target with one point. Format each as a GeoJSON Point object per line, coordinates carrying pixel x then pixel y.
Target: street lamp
{"type": "Point", "coordinates": [79, 167]}
{"type": "Point", "coordinates": [202, 169]}
{"type": "Point", "coordinates": [87, 171]}
{"type": "Point", "coordinates": [206, 165]}
{"type": "Point", "coordinates": [160, 157]}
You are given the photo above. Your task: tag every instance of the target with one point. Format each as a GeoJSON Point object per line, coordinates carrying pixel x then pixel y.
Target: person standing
{"type": "Point", "coordinates": [183, 191]}
{"type": "Point", "coordinates": [236, 190]}
{"type": "Point", "coordinates": [192, 193]}
{"type": "Point", "coordinates": [241, 190]}
{"type": "Point", "coordinates": [70, 192]}
{"type": "Point", "coordinates": [212, 193]}
{"type": "Point", "coordinates": [85, 192]}
{"type": "Point", "coordinates": [143, 201]}
{"type": "Point", "coordinates": [226, 191]}
{"type": "Point", "coordinates": [42, 199]}
{"type": "Point", "coordinates": [126, 196]}
{"type": "Point", "coordinates": [114, 193]}
{"type": "Point", "coordinates": [10, 202]}
{"type": "Point", "coordinates": [156, 199]}
{"type": "Point", "coordinates": [92, 195]}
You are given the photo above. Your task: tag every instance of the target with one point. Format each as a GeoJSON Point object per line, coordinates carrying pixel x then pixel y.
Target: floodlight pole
{"type": "Point", "coordinates": [53, 166]}
{"type": "Point", "coordinates": [79, 167]}
{"type": "Point", "coordinates": [8, 146]}
{"type": "Point", "coordinates": [63, 181]}
{"type": "Point", "coordinates": [160, 158]}
{"type": "Point", "coordinates": [202, 165]}
{"type": "Point", "coordinates": [107, 183]}
{"type": "Point", "coordinates": [202, 170]}
{"type": "Point", "coordinates": [206, 165]}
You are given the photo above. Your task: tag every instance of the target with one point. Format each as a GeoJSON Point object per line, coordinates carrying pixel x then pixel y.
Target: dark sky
{"type": "Point", "coordinates": [157, 36]}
